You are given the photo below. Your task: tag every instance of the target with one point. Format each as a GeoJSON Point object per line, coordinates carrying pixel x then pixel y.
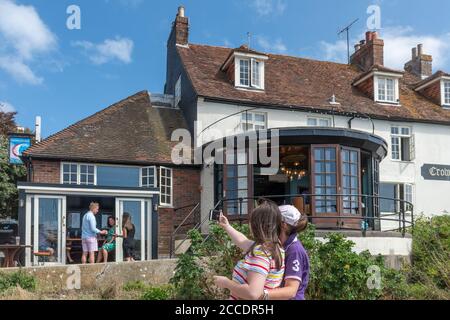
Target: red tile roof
{"type": "Point", "coordinates": [129, 131]}
{"type": "Point", "coordinates": [303, 83]}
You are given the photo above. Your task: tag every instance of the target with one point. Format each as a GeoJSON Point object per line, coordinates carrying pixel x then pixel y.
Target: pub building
{"type": "Point", "coordinates": [362, 150]}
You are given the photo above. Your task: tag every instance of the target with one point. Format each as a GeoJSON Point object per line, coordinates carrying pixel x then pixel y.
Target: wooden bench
{"type": "Point", "coordinates": [42, 254]}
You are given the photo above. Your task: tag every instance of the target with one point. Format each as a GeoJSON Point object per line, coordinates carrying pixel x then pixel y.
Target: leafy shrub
{"type": "Point", "coordinates": [134, 286]}
{"type": "Point", "coordinates": [429, 274]}
{"type": "Point", "coordinates": [336, 272]}
{"type": "Point", "coordinates": [17, 279]}
{"type": "Point", "coordinates": [157, 293]}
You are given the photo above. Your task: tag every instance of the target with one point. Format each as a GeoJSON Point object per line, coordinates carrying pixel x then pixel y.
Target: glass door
{"type": "Point", "coordinates": [351, 203]}
{"type": "Point", "coordinates": [49, 230]}
{"type": "Point", "coordinates": [133, 215]}
{"type": "Point", "coordinates": [324, 180]}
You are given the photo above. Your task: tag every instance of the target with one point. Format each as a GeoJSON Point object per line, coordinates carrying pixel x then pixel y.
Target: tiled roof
{"type": "Point", "coordinates": [303, 83]}
{"type": "Point", "coordinates": [436, 75]}
{"type": "Point", "coordinates": [129, 131]}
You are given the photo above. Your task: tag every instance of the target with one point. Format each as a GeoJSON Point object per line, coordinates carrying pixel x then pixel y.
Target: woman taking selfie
{"type": "Point", "coordinates": [296, 275]}
{"type": "Point", "coordinates": [263, 265]}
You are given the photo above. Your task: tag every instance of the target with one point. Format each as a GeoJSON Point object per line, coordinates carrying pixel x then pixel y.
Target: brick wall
{"type": "Point", "coordinates": [45, 171]}
{"type": "Point", "coordinates": [186, 191]}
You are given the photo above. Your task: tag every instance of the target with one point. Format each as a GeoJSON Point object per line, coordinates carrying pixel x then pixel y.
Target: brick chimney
{"type": "Point", "coordinates": [179, 36]}
{"type": "Point", "coordinates": [421, 64]}
{"type": "Point", "coordinates": [368, 52]}
{"type": "Point", "coordinates": [180, 29]}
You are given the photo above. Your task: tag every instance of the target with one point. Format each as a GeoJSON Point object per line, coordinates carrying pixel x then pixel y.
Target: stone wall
{"type": "Point", "coordinates": [56, 278]}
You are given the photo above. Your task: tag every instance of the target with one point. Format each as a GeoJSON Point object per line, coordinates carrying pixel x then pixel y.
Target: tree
{"type": "Point", "coordinates": [9, 174]}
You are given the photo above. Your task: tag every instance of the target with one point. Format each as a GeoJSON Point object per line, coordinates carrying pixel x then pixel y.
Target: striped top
{"type": "Point", "coordinates": [261, 262]}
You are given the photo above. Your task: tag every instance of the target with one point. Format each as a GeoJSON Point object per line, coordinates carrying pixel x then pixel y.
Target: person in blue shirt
{"type": "Point", "coordinates": [89, 233]}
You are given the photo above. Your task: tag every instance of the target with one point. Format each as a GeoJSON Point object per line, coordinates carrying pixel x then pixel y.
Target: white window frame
{"type": "Point", "coordinates": [251, 63]}
{"type": "Point", "coordinates": [166, 204]}
{"type": "Point", "coordinates": [177, 93]}
{"type": "Point", "coordinates": [377, 78]}
{"type": "Point", "coordinates": [445, 96]}
{"type": "Point", "coordinates": [79, 174]}
{"type": "Point", "coordinates": [317, 120]}
{"type": "Point", "coordinates": [399, 137]}
{"type": "Point", "coordinates": [253, 122]}
{"type": "Point", "coordinates": [408, 194]}
{"type": "Point", "coordinates": [155, 177]}
{"type": "Point", "coordinates": [78, 182]}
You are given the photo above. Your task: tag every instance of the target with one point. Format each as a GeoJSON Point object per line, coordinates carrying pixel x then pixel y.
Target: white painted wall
{"type": "Point", "coordinates": [432, 144]}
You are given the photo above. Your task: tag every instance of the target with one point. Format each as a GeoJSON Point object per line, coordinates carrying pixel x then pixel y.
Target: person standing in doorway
{"type": "Point", "coordinates": [89, 233]}
{"type": "Point", "coordinates": [128, 231]}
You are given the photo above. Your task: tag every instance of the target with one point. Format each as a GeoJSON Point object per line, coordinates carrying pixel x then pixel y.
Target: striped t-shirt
{"type": "Point", "coordinates": [259, 261]}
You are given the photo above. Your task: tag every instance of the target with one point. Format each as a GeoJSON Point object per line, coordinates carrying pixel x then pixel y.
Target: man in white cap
{"type": "Point", "coordinates": [296, 275]}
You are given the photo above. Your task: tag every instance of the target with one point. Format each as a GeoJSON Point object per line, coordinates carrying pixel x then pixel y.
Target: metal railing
{"type": "Point", "coordinates": [195, 214]}
{"type": "Point", "coordinates": [401, 220]}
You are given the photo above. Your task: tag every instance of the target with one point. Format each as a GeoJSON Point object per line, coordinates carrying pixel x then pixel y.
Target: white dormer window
{"type": "Point", "coordinates": [386, 89]}
{"type": "Point", "coordinates": [244, 72]}
{"type": "Point", "coordinates": [446, 93]}
{"type": "Point", "coordinates": [249, 72]}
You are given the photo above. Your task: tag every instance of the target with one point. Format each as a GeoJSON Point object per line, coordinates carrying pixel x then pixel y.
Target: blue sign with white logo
{"type": "Point", "coordinates": [17, 145]}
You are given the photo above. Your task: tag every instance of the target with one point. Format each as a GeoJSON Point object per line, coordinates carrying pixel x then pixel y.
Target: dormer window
{"type": "Point", "coordinates": [381, 84]}
{"type": "Point", "coordinates": [244, 72]}
{"type": "Point", "coordinates": [446, 93]}
{"type": "Point", "coordinates": [250, 73]}
{"type": "Point", "coordinates": [386, 89]}
{"type": "Point", "coordinates": [245, 68]}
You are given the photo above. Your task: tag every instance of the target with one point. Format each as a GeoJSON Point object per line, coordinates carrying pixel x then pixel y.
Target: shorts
{"type": "Point", "coordinates": [108, 247]}
{"type": "Point", "coordinates": [89, 244]}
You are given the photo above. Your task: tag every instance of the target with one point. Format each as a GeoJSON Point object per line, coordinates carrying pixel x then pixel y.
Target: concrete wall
{"type": "Point", "coordinates": [155, 272]}
{"type": "Point", "coordinates": [431, 144]}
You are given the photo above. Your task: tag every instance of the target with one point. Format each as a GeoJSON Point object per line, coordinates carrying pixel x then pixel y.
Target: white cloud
{"type": "Point", "coordinates": [266, 7]}
{"type": "Point", "coordinates": [6, 107]}
{"type": "Point", "coordinates": [398, 42]}
{"type": "Point", "coordinates": [24, 37]}
{"type": "Point", "coordinates": [19, 70]}
{"type": "Point", "coordinates": [119, 49]}
{"type": "Point", "coordinates": [266, 44]}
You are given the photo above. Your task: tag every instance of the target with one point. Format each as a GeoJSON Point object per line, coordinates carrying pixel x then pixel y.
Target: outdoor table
{"type": "Point", "coordinates": [11, 251]}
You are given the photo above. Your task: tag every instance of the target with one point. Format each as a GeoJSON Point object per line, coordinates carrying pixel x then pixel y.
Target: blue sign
{"type": "Point", "coordinates": [17, 145]}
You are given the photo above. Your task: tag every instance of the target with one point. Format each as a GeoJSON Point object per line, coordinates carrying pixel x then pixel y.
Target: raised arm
{"type": "Point", "coordinates": [239, 239]}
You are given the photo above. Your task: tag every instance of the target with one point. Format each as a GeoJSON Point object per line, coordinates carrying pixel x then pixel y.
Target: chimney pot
{"type": "Point", "coordinates": [181, 11]}
{"type": "Point", "coordinates": [420, 49]}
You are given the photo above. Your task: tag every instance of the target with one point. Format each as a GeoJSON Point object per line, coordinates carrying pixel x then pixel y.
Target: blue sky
{"type": "Point", "coordinates": [65, 75]}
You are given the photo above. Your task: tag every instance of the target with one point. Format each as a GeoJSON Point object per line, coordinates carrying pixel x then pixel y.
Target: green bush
{"type": "Point", "coordinates": [17, 279]}
{"type": "Point", "coordinates": [157, 293]}
{"type": "Point", "coordinates": [336, 272]}
{"type": "Point", "coordinates": [134, 286]}
{"type": "Point", "coordinates": [429, 274]}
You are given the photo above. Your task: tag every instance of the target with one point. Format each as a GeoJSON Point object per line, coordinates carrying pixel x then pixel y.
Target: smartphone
{"type": "Point", "coordinates": [214, 215]}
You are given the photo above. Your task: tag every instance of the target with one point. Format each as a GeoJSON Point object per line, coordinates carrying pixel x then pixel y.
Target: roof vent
{"type": "Point", "coordinates": [333, 99]}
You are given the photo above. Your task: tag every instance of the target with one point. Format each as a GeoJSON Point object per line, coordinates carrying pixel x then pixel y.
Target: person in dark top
{"type": "Point", "coordinates": [128, 230]}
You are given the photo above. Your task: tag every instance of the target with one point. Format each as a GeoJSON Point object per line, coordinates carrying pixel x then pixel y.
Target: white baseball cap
{"type": "Point", "coordinates": [290, 215]}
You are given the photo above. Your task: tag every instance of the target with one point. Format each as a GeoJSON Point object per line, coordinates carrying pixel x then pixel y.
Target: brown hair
{"type": "Point", "coordinates": [302, 223]}
{"type": "Point", "coordinates": [126, 221]}
{"type": "Point", "coordinates": [265, 225]}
